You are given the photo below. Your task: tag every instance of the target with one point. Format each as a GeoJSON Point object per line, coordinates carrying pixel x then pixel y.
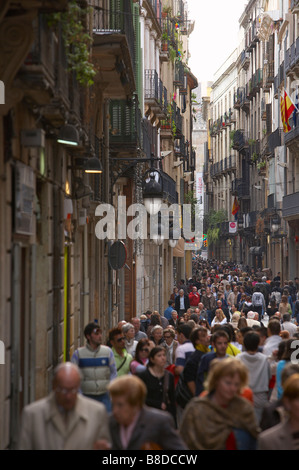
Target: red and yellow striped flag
{"type": "Point", "coordinates": [287, 108]}
{"type": "Point", "coordinates": [286, 127]}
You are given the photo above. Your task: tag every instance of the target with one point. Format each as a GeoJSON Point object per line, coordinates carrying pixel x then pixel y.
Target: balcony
{"type": "Point", "coordinates": [155, 94]}
{"type": "Point", "coordinates": [252, 37]}
{"type": "Point", "coordinates": [245, 101]}
{"type": "Point", "coordinates": [292, 60]}
{"type": "Point", "coordinates": [156, 12]}
{"type": "Point", "coordinates": [275, 140]}
{"type": "Point", "coordinates": [113, 49]}
{"type": "Point", "coordinates": [268, 75]}
{"type": "Point", "coordinates": [239, 141]}
{"type": "Point", "coordinates": [254, 150]}
{"type": "Point", "coordinates": [240, 188]}
{"type": "Point", "coordinates": [291, 138]}
{"type": "Point", "coordinates": [169, 189]}
{"type": "Point", "coordinates": [245, 59]}
{"type": "Point", "coordinates": [239, 97]}
{"type": "Point", "coordinates": [257, 80]}
{"type": "Point", "coordinates": [290, 205]}
{"type": "Point", "coordinates": [179, 74]}
{"type": "Point", "coordinates": [178, 121]}
{"type": "Point", "coordinates": [180, 147]}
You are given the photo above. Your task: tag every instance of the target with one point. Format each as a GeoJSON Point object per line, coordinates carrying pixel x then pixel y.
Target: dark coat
{"type": "Point", "coordinates": [178, 303]}
{"type": "Point", "coordinates": [153, 426]}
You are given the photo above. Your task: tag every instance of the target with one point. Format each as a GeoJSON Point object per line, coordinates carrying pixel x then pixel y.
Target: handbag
{"type": "Point", "coordinates": [182, 392]}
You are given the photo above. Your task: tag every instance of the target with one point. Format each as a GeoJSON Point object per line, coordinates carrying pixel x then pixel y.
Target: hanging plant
{"type": "Point", "coordinates": [261, 165]}
{"type": "Point", "coordinates": [77, 42]}
{"type": "Point", "coordinates": [213, 220]}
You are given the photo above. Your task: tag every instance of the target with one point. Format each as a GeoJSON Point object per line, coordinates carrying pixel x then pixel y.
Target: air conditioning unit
{"type": "Point", "coordinates": [33, 138]}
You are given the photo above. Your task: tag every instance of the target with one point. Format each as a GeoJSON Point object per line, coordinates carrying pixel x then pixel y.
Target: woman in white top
{"type": "Point", "coordinates": [219, 319]}
{"type": "Point", "coordinates": [129, 334]}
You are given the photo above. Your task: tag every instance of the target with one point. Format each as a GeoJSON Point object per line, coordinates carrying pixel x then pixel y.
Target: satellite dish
{"type": "Point", "coordinates": [117, 255]}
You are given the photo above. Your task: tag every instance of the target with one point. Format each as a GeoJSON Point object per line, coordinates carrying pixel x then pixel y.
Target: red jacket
{"type": "Point", "coordinates": [194, 298]}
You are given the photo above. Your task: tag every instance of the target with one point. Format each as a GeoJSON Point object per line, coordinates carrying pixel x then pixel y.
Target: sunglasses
{"type": "Point", "coordinates": [120, 339]}
{"type": "Point", "coordinates": [144, 349]}
{"type": "Point", "coordinates": [97, 331]}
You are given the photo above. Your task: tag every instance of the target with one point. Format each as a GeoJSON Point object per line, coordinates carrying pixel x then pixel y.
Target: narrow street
{"type": "Point", "coordinates": [148, 198]}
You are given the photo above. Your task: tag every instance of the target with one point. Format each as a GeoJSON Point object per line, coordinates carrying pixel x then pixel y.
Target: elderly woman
{"type": "Point", "coordinates": [157, 336]}
{"type": "Point", "coordinates": [170, 345]}
{"type": "Point", "coordinates": [222, 419]}
{"type": "Point", "coordinates": [130, 342]}
{"type": "Point", "coordinates": [134, 426]}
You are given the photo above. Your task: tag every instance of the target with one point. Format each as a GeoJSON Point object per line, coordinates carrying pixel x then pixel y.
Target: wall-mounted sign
{"type": "Point", "coordinates": [232, 227]}
{"type": "Point", "coordinates": [24, 199]}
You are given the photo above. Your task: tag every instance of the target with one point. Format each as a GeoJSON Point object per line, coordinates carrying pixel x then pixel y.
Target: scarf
{"type": "Point", "coordinates": [202, 348]}
{"type": "Point", "coordinates": [207, 426]}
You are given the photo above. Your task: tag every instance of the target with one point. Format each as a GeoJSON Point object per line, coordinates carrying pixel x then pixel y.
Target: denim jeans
{"type": "Point", "coordinates": [104, 398]}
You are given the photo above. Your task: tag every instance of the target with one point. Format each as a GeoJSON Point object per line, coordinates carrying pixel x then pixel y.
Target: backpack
{"type": "Point", "coordinates": [276, 296]}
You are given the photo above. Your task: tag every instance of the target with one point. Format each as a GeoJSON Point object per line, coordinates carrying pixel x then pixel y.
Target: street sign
{"type": "Point", "coordinates": [232, 227]}
{"type": "Point", "coordinates": [117, 255]}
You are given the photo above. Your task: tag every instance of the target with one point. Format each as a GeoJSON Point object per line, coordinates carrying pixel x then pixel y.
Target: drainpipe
{"type": "Point", "coordinates": [108, 199]}
{"type": "Point", "coordinates": [86, 277]}
{"type": "Point", "coordinates": [32, 323]}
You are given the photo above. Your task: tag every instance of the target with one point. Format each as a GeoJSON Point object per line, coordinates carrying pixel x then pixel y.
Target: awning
{"type": "Point", "coordinates": [256, 250]}
{"type": "Point", "coordinates": [179, 250]}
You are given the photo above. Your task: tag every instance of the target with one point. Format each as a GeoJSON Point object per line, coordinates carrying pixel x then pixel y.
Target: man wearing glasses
{"type": "Point", "coordinates": [122, 358]}
{"type": "Point", "coordinates": [65, 419]}
{"type": "Point", "coordinates": [97, 364]}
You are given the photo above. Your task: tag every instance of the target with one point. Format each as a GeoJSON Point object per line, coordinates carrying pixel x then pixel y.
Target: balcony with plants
{"type": "Point", "coordinates": [114, 46]}
{"type": "Point", "coordinates": [262, 168]}
{"type": "Point", "coordinates": [171, 43]}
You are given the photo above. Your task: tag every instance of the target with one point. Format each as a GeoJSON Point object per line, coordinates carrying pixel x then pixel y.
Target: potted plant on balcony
{"type": "Point", "coordinates": [165, 40]}
{"type": "Point", "coordinates": [261, 167]}
{"type": "Point", "coordinates": [77, 41]}
{"type": "Point", "coordinates": [166, 12]}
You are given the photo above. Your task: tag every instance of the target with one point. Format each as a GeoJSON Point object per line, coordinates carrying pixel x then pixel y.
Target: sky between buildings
{"type": "Point", "coordinates": [215, 34]}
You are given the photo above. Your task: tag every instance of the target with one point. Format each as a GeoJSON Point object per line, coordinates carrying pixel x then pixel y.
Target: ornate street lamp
{"type": "Point", "coordinates": [152, 190]}
{"type": "Point", "coordinates": [275, 223]}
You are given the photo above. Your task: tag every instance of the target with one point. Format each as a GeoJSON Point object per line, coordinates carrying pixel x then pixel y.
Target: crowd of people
{"type": "Point", "coordinates": [217, 369]}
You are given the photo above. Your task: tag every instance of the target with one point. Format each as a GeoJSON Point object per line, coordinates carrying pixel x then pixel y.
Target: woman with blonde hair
{"type": "Point", "coordinates": [284, 306]}
{"type": "Point", "coordinates": [219, 319]}
{"type": "Point", "coordinates": [222, 419]}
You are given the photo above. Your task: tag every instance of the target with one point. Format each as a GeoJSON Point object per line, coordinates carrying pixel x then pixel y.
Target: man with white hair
{"type": "Point", "coordinates": [65, 419]}
{"type": "Point", "coordinates": [182, 303]}
{"type": "Point", "coordinates": [252, 319]}
{"type": "Point", "coordinates": [288, 325]}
